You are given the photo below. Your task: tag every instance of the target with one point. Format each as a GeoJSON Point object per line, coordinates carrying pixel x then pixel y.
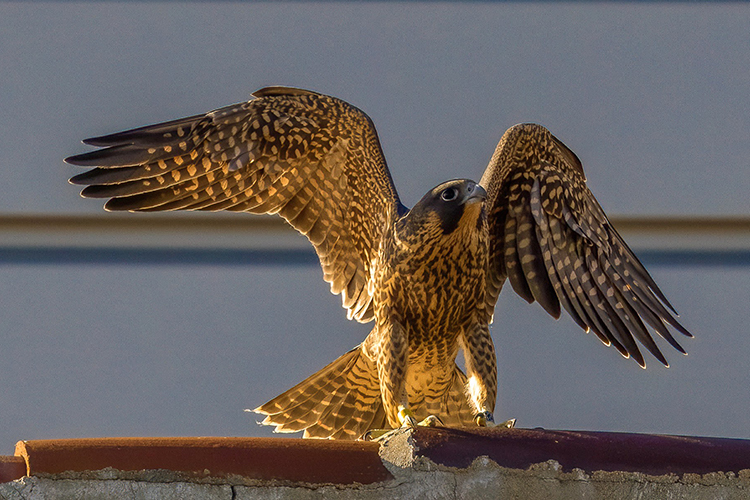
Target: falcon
{"type": "Point", "coordinates": [427, 277]}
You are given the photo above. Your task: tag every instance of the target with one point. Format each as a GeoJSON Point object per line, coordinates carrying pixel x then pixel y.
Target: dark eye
{"type": "Point", "coordinates": [449, 194]}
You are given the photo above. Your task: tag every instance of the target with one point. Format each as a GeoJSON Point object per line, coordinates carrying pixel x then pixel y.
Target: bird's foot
{"type": "Point", "coordinates": [406, 417]}
{"type": "Point", "coordinates": [486, 419]}
{"type": "Point", "coordinates": [408, 421]}
{"type": "Point", "coordinates": [431, 421]}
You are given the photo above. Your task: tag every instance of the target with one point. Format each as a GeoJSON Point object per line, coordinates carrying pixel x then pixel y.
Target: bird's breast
{"type": "Point", "coordinates": [434, 289]}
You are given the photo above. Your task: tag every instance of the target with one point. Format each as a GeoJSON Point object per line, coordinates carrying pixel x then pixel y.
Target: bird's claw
{"type": "Point", "coordinates": [431, 421]}
{"type": "Point", "coordinates": [407, 419]}
{"type": "Point", "coordinates": [486, 419]}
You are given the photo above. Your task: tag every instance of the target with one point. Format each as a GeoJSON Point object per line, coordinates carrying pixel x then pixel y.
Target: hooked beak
{"type": "Point", "coordinates": [476, 194]}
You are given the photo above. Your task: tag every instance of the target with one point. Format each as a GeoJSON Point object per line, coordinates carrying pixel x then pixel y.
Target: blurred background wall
{"type": "Point", "coordinates": [134, 324]}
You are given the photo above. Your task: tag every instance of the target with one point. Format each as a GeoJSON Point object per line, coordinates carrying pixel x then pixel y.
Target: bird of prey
{"type": "Point", "coordinates": [428, 277]}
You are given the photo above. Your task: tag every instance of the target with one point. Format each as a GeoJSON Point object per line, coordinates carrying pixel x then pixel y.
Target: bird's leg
{"type": "Point", "coordinates": [481, 369]}
{"type": "Point", "coordinates": [392, 357]}
{"type": "Point", "coordinates": [392, 352]}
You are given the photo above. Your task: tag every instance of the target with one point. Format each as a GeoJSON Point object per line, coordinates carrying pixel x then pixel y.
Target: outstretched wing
{"type": "Point", "coordinates": [551, 239]}
{"type": "Point", "coordinates": [313, 159]}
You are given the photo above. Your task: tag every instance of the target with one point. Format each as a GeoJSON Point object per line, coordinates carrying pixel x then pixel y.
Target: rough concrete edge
{"type": "Point", "coordinates": [422, 479]}
{"type": "Point", "coordinates": [400, 455]}
{"type": "Point", "coordinates": [165, 476]}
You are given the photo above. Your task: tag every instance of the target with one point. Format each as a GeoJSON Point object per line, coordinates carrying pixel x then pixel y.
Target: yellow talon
{"type": "Point", "coordinates": [431, 421]}
{"type": "Point", "coordinates": [406, 417]}
{"type": "Point", "coordinates": [485, 419]}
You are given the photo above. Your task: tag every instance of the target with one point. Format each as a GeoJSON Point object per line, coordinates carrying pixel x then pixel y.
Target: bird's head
{"type": "Point", "coordinates": [448, 206]}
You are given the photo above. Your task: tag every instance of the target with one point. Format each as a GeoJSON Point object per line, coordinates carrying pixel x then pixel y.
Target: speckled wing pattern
{"type": "Point", "coordinates": [313, 159]}
{"type": "Point", "coordinates": [555, 245]}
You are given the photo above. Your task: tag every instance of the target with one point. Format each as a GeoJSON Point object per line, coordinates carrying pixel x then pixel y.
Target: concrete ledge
{"type": "Point", "coordinates": [588, 451]}
{"type": "Point", "coordinates": [268, 459]}
{"type": "Point", "coordinates": [435, 463]}
{"type": "Point", "coordinates": [12, 468]}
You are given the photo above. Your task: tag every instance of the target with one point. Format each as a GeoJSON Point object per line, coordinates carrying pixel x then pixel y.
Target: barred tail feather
{"type": "Point", "coordinates": [447, 399]}
{"type": "Point", "coordinates": [457, 407]}
{"type": "Point", "coordinates": [341, 401]}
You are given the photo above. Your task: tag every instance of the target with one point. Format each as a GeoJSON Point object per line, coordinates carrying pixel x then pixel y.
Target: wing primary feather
{"type": "Point", "coordinates": [133, 203]}
{"type": "Point", "coordinates": [150, 134]}
{"type": "Point", "coordinates": [598, 328]}
{"type": "Point", "coordinates": [622, 311]}
{"type": "Point", "coordinates": [130, 188]}
{"type": "Point", "coordinates": [586, 293]}
{"type": "Point", "coordinates": [111, 175]}
{"type": "Point", "coordinates": [561, 265]}
{"type": "Point", "coordinates": [601, 309]}
{"type": "Point", "coordinates": [631, 291]}
{"type": "Point", "coordinates": [125, 155]}
{"type": "Point", "coordinates": [641, 271]}
{"type": "Point", "coordinates": [615, 328]}
{"type": "Point", "coordinates": [655, 304]}
{"type": "Point", "coordinates": [535, 270]}
{"type": "Point", "coordinates": [513, 264]}
{"type": "Point", "coordinates": [621, 332]}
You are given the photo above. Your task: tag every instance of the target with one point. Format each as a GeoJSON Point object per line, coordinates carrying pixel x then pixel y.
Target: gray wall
{"type": "Point", "coordinates": [653, 98]}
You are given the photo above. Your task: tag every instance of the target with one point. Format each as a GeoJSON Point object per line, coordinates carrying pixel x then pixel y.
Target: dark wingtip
{"type": "Point", "coordinates": [97, 141]}
{"type": "Point", "coordinates": [683, 330]}
{"type": "Point", "coordinates": [675, 344]}
{"type": "Point", "coordinates": [638, 358]}
{"type": "Point", "coordinates": [80, 179]}
{"type": "Point", "coordinates": [77, 160]}
{"type": "Point", "coordinates": [658, 355]}
{"type": "Point", "coordinates": [98, 157]}
{"type": "Point", "coordinates": [552, 306]}
{"type": "Point", "coordinates": [97, 191]}
{"type": "Point", "coordinates": [116, 205]}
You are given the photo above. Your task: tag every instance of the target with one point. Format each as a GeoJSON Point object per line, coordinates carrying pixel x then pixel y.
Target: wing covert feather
{"type": "Point", "coordinates": [552, 240]}
{"type": "Point", "coordinates": [313, 159]}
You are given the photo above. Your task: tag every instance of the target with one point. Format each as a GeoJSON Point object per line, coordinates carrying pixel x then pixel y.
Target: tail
{"type": "Point", "coordinates": [450, 403]}
{"type": "Point", "coordinates": [341, 401]}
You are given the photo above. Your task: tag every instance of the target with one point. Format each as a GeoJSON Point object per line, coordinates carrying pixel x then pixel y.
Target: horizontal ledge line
{"type": "Point", "coordinates": [202, 231]}
{"type": "Point", "coordinates": [734, 258]}
{"type": "Point", "coordinates": [287, 257]}
{"type": "Point", "coordinates": [157, 256]}
{"type": "Point", "coordinates": [229, 220]}
{"type": "Point", "coordinates": [125, 220]}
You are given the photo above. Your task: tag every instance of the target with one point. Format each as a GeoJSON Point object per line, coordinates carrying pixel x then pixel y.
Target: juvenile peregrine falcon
{"type": "Point", "coordinates": [428, 277]}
